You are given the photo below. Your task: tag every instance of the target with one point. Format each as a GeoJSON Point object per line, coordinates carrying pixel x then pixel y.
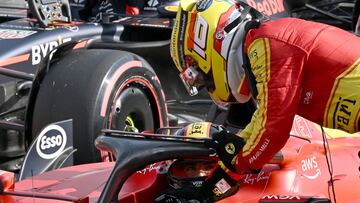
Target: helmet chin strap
{"type": "Point", "coordinates": [246, 63]}
{"type": "Point", "coordinates": [238, 20]}
{"type": "Point", "coordinates": [234, 70]}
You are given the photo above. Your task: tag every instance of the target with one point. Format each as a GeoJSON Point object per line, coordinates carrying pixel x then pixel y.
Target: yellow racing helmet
{"type": "Point", "coordinates": [206, 47]}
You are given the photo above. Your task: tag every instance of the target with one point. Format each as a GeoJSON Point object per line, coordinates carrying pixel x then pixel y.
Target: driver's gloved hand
{"type": "Point", "coordinates": [218, 186]}
{"type": "Point", "coordinates": [227, 146]}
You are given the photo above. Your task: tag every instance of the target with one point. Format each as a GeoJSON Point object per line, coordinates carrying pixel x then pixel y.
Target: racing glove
{"type": "Point", "coordinates": [227, 146]}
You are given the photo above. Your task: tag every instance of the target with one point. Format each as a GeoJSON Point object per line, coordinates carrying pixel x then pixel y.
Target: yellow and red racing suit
{"type": "Point", "coordinates": [303, 68]}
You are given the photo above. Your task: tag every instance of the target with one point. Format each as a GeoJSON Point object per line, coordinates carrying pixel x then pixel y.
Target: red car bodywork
{"type": "Point", "coordinates": [302, 171]}
{"type": "Point", "coordinates": [82, 184]}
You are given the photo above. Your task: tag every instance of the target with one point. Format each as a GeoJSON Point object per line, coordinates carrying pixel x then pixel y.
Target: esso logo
{"type": "Point", "coordinates": [51, 142]}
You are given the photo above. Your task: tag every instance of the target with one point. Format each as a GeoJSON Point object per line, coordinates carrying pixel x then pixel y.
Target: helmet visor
{"type": "Point", "coordinates": [192, 79]}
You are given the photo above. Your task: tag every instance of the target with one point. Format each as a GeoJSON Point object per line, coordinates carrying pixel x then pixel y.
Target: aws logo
{"type": "Point", "coordinates": [310, 168]}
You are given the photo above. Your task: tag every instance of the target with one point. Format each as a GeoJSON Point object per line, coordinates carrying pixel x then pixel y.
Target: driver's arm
{"type": "Point", "coordinates": [278, 68]}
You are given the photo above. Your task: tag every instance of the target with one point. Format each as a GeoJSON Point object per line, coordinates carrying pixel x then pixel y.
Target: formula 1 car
{"type": "Point", "coordinates": [64, 79]}
{"type": "Point", "coordinates": [316, 165]}
{"type": "Point", "coordinates": [61, 77]}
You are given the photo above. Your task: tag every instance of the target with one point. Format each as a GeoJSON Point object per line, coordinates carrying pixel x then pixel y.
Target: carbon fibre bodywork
{"type": "Point", "coordinates": [24, 45]}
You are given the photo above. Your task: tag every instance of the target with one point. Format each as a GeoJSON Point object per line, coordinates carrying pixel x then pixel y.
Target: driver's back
{"type": "Point", "coordinates": [325, 70]}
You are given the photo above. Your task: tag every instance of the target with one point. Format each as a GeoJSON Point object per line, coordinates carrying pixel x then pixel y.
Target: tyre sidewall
{"type": "Point", "coordinates": [82, 87]}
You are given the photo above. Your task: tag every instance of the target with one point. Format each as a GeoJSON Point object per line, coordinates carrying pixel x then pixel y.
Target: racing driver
{"type": "Point", "coordinates": [289, 66]}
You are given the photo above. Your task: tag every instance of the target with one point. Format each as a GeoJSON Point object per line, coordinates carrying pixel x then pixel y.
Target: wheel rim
{"type": "Point", "coordinates": [131, 110]}
{"type": "Point", "coordinates": [116, 122]}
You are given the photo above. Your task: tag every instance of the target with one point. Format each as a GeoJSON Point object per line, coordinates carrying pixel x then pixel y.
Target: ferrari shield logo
{"type": "Point", "coordinates": [230, 148]}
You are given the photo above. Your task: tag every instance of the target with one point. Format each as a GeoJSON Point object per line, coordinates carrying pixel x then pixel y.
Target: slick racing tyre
{"type": "Point", "coordinates": [99, 89]}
